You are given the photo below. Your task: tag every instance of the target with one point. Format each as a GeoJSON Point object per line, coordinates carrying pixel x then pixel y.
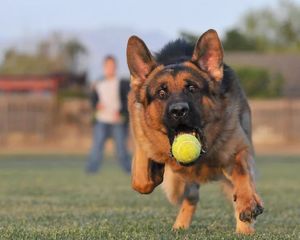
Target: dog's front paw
{"type": "Point", "coordinates": [250, 213]}
{"type": "Point", "coordinates": [244, 229]}
{"type": "Point", "coordinates": [180, 225]}
{"type": "Point", "coordinates": [249, 208]}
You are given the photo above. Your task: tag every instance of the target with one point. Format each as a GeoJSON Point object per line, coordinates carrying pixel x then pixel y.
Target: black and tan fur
{"type": "Point", "coordinates": [217, 109]}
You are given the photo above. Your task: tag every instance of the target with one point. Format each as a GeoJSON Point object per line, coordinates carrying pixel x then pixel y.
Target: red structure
{"type": "Point", "coordinates": [28, 83]}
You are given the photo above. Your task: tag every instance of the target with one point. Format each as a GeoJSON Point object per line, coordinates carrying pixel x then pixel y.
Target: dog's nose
{"type": "Point", "coordinates": [178, 110]}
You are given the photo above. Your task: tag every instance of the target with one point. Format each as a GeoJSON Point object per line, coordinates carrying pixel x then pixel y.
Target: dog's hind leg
{"type": "Point", "coordinates": [188, 206]}
{"type": "Point", "coordinates": [185, 194]}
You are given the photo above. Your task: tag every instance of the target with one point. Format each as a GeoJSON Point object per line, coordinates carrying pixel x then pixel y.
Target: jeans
{"type": "Point", "coordinates": [102, 131]}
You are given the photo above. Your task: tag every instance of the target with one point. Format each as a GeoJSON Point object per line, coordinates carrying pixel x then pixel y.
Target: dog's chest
{"type": "Point", "coordinates": [200, 173]}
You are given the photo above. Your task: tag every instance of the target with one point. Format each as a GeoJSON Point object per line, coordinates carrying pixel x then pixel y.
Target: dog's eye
{"type": "Point", "coordinates": [162, 94]}
{"type": "Point", "coordinates": [191, 88]}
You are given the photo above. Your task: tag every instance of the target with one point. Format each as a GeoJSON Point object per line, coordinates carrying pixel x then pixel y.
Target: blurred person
{"type": "Point", "coordinates": [109, 102]}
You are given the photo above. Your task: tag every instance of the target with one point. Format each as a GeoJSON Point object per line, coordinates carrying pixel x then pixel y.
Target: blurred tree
{"type": "Point", "coordinates": [234, 40]}
{"type": "Point", "coordinates": [51, 56]}
{"type": "Point", "coordinates": [189, 37]}
{"type": "Point", "coordinates": [273, 29]}
{"type": "Point", "coordinates": [22, 63]}
{"type": "Point", "coordinates": [73, 49]}
{"type": "Point", "coordinates": [265, 29]}
{"type": "Point", "coordinates": [259, 82]}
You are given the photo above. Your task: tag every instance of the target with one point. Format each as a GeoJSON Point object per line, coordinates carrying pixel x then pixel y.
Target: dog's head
{"type": "Point", "coordinates": [180, 86]}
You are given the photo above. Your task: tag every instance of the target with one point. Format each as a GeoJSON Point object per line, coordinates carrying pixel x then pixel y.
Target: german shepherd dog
{"type": "Point", "coordinates": [189, 89]}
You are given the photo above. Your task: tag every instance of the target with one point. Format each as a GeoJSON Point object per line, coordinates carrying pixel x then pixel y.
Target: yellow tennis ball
{"type": "Point", "coordinates": [186, 148]}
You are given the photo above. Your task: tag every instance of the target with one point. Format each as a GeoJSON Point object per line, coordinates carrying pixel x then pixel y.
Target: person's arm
{"type": "Point", "coordinates": [124, 90]}
{"type": "Point", "coordinates": [94, 99]}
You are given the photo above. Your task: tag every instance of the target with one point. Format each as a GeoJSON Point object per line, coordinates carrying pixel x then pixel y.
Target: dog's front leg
{"type": "Point", "coordinates": [247, 203]}
{"type": "Point", "coordinates": [146, 174]}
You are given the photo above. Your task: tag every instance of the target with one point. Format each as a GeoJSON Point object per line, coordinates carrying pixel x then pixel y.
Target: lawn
{"type": "Point", "coordinates": [50, 197]}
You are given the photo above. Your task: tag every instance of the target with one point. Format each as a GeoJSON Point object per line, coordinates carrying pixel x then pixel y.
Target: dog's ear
{"type": "Point", "coordinates": [208, 54]}
{"type": "Point", "coordinates": [140, 61]}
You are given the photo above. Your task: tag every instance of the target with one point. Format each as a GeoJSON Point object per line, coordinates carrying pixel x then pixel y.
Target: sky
{"type": "Point", "coordinates": [19, 18]}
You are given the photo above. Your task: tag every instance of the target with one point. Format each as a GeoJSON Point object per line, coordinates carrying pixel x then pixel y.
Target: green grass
{"type": "Point", "coordinates": [50, 197]}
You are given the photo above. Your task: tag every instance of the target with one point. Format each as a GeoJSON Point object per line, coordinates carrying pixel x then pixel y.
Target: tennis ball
{"type": "Point", "coordinates": [186, 148]}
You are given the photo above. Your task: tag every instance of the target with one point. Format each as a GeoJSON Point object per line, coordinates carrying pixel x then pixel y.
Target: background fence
{"type": "Point", "coordinates": [276, 121]}
{"type": "Point", "coordinates": [27, 114]}
{"type": "Point", "coordinates": [287, 64]}
{"type": "Point", "coordinates": [67, 124]}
